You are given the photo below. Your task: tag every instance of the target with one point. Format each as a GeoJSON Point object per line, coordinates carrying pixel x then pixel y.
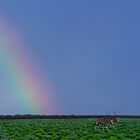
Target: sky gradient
{"type": "Point", "coordinates": [87, 50]}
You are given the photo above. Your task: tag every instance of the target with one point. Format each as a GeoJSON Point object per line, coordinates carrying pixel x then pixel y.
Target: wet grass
{"type": "Point", "coordinates": [68, 129]}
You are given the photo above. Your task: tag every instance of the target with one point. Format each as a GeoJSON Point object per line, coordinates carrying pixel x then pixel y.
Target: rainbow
{"type": "Point", "coordinates": [24, 84]}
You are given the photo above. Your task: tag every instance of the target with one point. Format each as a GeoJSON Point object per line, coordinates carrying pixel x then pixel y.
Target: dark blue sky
{"type": "Point", "coordinates": [88, 50]}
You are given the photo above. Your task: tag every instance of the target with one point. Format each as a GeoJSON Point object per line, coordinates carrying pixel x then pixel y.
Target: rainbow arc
{"type": "Point", "coordinates": [23, 83]}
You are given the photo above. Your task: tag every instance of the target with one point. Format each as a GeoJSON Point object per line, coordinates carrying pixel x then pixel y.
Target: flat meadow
{"type": "Point", "coordinates": [68, 129]}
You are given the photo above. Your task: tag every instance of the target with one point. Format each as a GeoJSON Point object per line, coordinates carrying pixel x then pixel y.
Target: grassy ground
{"type": "Point", "coordinates": [67, 129]}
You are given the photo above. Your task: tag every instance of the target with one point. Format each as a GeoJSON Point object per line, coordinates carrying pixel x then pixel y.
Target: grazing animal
{"type": "Point", "coordinates": [109, 120]}
{"type": "Point", "coordinates": [104, 121]}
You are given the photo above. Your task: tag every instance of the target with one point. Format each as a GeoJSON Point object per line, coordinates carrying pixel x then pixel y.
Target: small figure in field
{"type": "Point", "coordinates": [103, 122]}
{"type": "Point", "coordinates": [106, 121]}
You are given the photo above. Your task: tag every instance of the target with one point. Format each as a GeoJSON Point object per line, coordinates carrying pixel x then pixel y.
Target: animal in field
{"type": "Point", "coordinates": [104, 121]}
{"type": "Point", "coordinates": [109, 120]}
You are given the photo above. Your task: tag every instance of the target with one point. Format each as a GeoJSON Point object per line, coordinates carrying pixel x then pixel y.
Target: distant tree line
{"type": "Point", "coordinates": [30, 116]}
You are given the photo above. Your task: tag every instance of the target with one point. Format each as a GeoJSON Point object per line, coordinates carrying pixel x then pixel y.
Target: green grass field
{"type": "Point", "coordinates": [67, 129]}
